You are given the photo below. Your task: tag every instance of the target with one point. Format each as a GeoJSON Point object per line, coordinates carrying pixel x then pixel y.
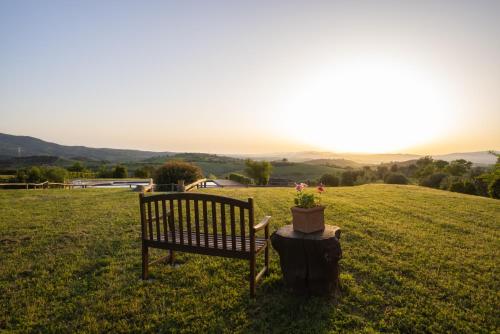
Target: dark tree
{"type": "Point", "coordinates": [329, 180]}
{"type": "Point", "coordinates": [120, 172]}
{"type": "Point", "coordinates": [347, 178]}
{"type": "Point", "coordinates": [395, 178]}
{"type": "Point", "coordinates": [77, 167]}
{"type": "Point", "coordinates": [260, 171]}
{"type": "Point", "coordinates": [381, 171]}
{"type": "Point", "coordinates": [173, 171]}
{"type": "Point", "coordinates": [433, 180]}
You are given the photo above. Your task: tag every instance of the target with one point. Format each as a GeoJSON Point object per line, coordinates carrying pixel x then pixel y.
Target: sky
{"type": "Point", "coordinates": [253, 76]}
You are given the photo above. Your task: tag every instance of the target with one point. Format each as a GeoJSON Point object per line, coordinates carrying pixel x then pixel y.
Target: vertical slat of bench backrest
{"type": "Point", "coordinates": [223, 225]}
{"type": "Point", "coordinates": [233, 227]}
{"type": "Point", "coordinates": [205, 222]}
{"type": "Point", "coordinates": [150, 222]}
{"type": "Point", "coordinates": [197, 221]}
{"type": "Point", "coordinates": [164, 218]}
{"type": "Point", "coordinates": [242, 228]}
{"type": "Point", "coordinates": [188, 221]}
{"type": "Point", "coordinates": [214, 224]}
{"type": "Point", "coordinates": [171, 220]}
{"type": "Point", "coordinates": [143, 217]}
{"type": "Point", "coordinates": [251, 225]}
{"type": "Point", "coordinates": [157, 220]}
{"type": "Point", "coordinates": [179, 217]}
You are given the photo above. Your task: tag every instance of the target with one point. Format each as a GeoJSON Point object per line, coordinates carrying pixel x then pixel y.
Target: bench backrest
{"type": "Point", "coordinates": [163, 216]}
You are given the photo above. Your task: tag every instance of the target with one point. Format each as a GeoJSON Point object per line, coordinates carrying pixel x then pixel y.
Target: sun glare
{"type": "Point", "coordinates": [368, 107]}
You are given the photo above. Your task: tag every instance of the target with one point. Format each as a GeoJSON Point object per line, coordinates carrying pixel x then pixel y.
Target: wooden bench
{"type": "Point", "coordinates": [203, 224]}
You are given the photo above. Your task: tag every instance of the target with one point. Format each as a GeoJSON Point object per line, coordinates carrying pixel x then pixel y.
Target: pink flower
{"type": "Point", "coordinates": [300, 186]}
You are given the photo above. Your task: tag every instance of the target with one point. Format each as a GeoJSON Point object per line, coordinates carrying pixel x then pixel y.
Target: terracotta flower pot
{"type": "Point", "coordinates": [308, 220]}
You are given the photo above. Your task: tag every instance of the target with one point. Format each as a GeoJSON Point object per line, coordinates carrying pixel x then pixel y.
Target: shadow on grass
{"type": "Point", "coordinates": [278, 309]}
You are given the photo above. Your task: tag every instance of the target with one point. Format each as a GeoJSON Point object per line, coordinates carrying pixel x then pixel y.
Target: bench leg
{"type": "Point", "coordinates": [266, 258]}
{"type": "Point", "coordinates": [171, 257]}
{"type": "Point", "coordinates": [252, 276]}
{"type": "Point", "coordinates": [145, 262]}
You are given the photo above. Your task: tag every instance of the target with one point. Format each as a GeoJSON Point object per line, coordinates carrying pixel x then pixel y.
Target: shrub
{"type": "Point", "coordinates": [347, 178]}
{"type": "Point", "coordinates": [21, 176]}
{"type": "Point", "coordinates": [34, 174]}
{"type": "Point", "coordinates": [260, 171]}
{"type": "Point", "coordinates": [457, 187]}
{"type": "Point", "coordinates": [240, 178]}
{"type": "Point", "coordinates": [382, 171]}
{"type": "Point", "coordinates": [120, 172]}
{"type": "Point", "coordinates": [55, 174]}
{"type": "Point", "coordinates": [329, 180]}
{"type": "Point", "coordinates": [458, 167]}
{"type": "Point", "coordinates": [395, 178]}
{"type": "Point", "coordinates": [144, 171]}
{"type": "Point", "coordinates": [76, 167]}
{"type": "Point", "coordinates": [104, 172]}
{"type": "Point", "coordinates": [469, 188]}
{"type": "Point", "coordinates": [464, 187]}
{"type": "Point", "coordinates": [173, 171]}
{"type": "Point", "coordinates": [494, 188]}
{"type": "Point", "coordinates": [433, 180]}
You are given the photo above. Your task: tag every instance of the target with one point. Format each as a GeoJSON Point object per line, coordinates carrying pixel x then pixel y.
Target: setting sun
{"type": "Point", "coordinates": [369, 106]}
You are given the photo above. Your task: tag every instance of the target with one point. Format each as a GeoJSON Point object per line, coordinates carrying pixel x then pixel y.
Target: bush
{"type": "Point", "coordinates": [382, 171]}
{"type": "Point", "coordinates": [457, 187]}
{"type": "Point", "coordinates": [145, 172]}
{"type": "Point", "coordinates": [104, 172]}
{"type": "Point", "coordinates": [21, 176]}
{"type": "Point", "coordinates": [395, 178]}
{"type": "Point", "coordinates": [55, 174]}
{"type": "Point", "coordinates": [329, 180]}
{"type": "Point", "coordinates": [34, 175]}
{"type": "Point", "coordinates": [173, 171]}
{"type": "Point", "coordinates": [458, 167]}
{"type": "Point", "coordinates": [470, 188]}
{"type": "Point", "coordinates": [494, 188]}
{"type": "Point", "coordinates": [120, 172]}
{"type": "Point", "coordinates": [347, 178]}
{"type": "Point", "coordinates": [240, 178]}
{"type": "Point", "coordinates": [433, 180]}
{"type": "Point", "coordinates": [76, 167]}
{"type": "Point", "coordinates": [259, 171]}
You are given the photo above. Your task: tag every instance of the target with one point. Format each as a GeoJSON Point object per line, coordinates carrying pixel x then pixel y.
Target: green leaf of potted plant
{"type": "Point", "coordinates": [308, 215]}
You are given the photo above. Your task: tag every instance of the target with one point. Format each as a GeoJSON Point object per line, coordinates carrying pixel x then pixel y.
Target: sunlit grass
{"type": "Point", "coordinates": [415, 259]}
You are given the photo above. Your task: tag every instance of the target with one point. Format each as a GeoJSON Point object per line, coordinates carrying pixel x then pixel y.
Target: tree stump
{"type": "Point", "coordinates": [309, 261]}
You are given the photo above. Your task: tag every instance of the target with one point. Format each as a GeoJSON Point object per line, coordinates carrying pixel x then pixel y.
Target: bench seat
{"type": "Point", "coordinates": [260, 243]}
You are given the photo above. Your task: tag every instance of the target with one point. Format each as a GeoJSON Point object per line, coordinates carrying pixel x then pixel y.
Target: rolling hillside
{"type": "Point", "coordinates": [414, 260]}
{"type": "Point", "coordinates": [13, 146]}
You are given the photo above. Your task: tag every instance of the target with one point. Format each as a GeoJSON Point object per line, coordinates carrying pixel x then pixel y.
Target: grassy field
{"type": "Point", "coordinates": [415, 260]}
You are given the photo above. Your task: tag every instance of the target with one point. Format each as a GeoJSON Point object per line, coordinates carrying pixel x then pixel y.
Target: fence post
{"type": "Point", "coordinates": [180, 186]}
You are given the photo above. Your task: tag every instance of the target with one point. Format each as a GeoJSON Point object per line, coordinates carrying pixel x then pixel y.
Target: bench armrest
{"type": "Point", "coordinates": [262, 224]}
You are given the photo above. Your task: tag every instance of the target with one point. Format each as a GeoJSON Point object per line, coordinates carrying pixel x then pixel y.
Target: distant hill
{"type": "Point", "coordinates": [25, 146]}
{"type": "Point", "coordinates": [193, 157]}
{"type": "Point", "coordinates": [14, 146]}
{"type": "Point", "coordinates": [340, 163]}
{"type": "Point", "coordinates": [481, 158]}
{"type": "Point", "coordinates": [360, 158]}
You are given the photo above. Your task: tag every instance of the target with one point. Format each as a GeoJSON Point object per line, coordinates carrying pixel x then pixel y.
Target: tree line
{"type": "Point", "coordinates": [456, 176]}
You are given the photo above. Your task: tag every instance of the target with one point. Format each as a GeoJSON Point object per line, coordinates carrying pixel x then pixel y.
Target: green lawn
{"type": "Point", "coordinates": [415, 260]}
